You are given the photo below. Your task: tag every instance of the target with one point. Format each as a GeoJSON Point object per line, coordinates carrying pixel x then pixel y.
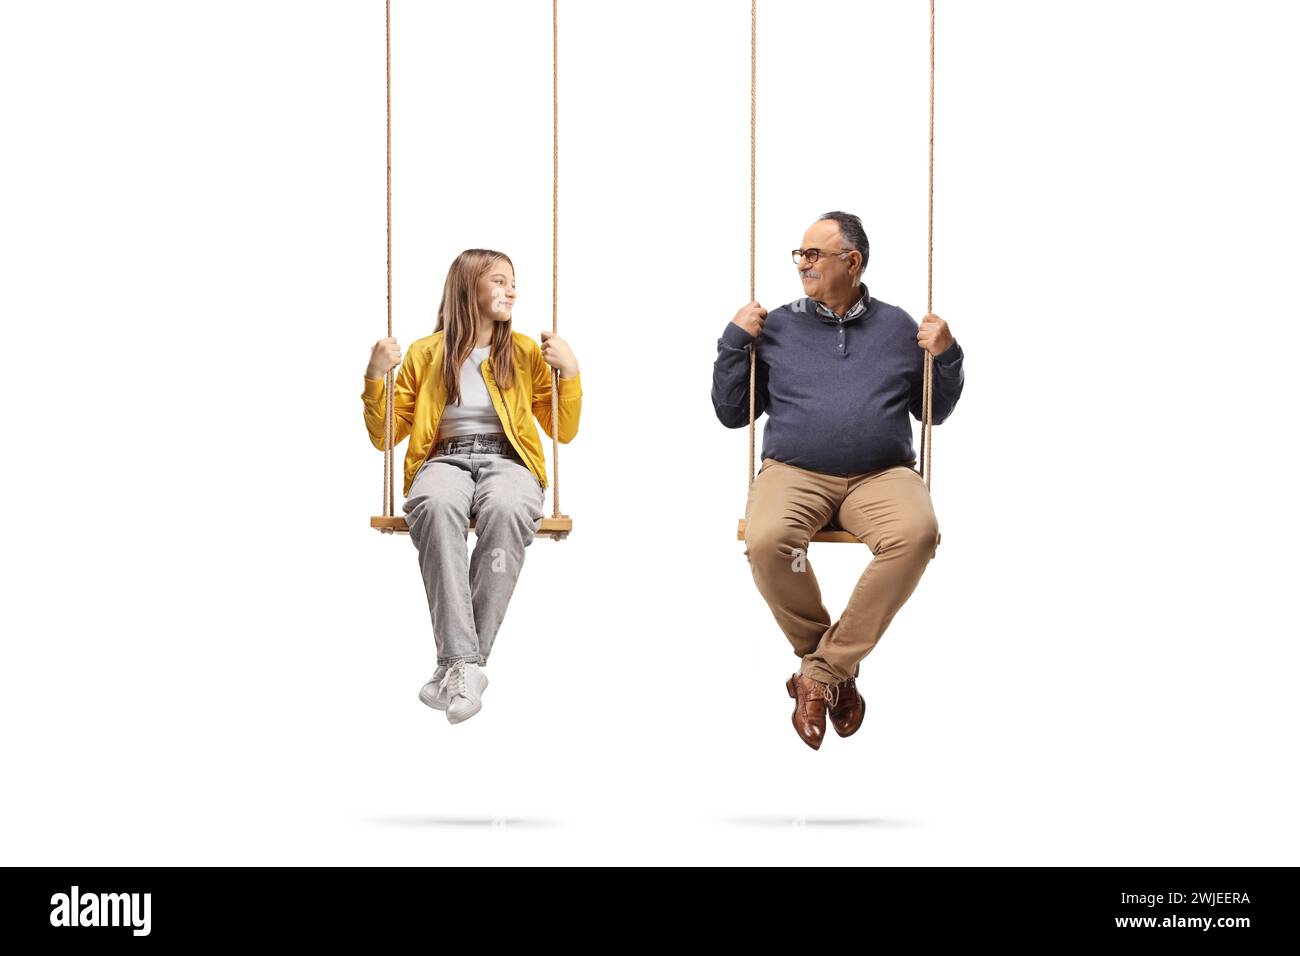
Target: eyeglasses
{"type": "Point", "coordinates": [812, 255]}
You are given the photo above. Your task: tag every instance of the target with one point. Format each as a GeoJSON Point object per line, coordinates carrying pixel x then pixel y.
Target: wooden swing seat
{"type": "Point", "coordinates": [829, 534]}
{"type": "Point", "coordinates": [553, 528]}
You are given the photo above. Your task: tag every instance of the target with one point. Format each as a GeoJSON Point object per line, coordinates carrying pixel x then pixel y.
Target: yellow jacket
{"type": "Point", "coordinates": [420, 396]}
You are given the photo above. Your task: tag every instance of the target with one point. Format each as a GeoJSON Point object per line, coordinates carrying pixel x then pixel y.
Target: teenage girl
{"type": "Point", "coordinates": [467, 396]}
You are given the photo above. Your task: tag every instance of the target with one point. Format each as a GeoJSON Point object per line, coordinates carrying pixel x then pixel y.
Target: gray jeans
{"type": "Point", "coordinates": [483, 477]}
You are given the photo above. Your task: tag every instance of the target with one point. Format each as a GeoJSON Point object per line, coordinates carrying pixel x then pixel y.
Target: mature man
{"type": "Point", "coordinates": [837, 372]}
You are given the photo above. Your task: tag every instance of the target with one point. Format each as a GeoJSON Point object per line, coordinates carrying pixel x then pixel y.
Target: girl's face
{"type": "Point", "coordinates": [496, 292]}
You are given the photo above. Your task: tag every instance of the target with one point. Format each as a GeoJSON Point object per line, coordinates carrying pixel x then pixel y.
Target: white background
{"type": "Point", "coordinates": [209, 657]}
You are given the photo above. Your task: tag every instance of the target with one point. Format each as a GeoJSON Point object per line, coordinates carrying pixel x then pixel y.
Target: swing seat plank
{"type": "Point", "coordinates": [553, 528]}
{"type": "Point", "coordinates": [828, 535]}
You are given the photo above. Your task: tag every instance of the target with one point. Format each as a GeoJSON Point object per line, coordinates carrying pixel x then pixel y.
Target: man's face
{"type": "Point", "coordinates": [496, 292]}
{"type": "Point", "coordinates": [835, 272]}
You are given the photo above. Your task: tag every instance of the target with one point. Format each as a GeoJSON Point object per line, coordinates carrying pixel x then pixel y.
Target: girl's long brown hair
{"type": "Point", "coordinates": [459, 315]}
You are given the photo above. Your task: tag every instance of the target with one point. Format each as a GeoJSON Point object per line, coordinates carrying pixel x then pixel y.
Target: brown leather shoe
{"type": "Point", "coordinates": [847, 708]}
{"type": "Point", "coordinates": [809, 717]}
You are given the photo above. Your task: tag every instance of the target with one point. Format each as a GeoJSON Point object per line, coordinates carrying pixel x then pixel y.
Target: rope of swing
{"type": "Point", "coordinates": [389, 469]}
{"type": "Point", "coordinates": [928, 377]}
{"type": "Point", "coordinates": [555, 250]}
{"type": "Point", "coordinates": [927, 380]}
{"type": "Point", "coordinates": [389, 497]}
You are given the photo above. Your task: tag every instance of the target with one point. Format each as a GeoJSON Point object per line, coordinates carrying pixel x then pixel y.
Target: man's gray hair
{"type": "Point", "coordinates": [851, 229]}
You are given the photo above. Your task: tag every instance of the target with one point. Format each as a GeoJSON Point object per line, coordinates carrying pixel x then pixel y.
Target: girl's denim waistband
{"type": "Point", "coordinates": [480, 444]}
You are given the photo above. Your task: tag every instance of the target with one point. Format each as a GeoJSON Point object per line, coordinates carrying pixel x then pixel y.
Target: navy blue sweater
{"type": "Point", "coordinates": [837, 390]}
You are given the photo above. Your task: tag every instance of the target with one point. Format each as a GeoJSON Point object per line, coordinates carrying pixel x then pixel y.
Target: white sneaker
{"type": "Point", "coordinates": [431, 693]}
{"type": "Point", "coordinates": [462, 686]}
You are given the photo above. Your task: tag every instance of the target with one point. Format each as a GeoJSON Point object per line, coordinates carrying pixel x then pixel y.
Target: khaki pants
{"type": "Point", "coordinates": [887, 510]}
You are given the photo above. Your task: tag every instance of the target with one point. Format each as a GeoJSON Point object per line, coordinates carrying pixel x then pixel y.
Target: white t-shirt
{"type": "Point", "coordinates": [475, 414]}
